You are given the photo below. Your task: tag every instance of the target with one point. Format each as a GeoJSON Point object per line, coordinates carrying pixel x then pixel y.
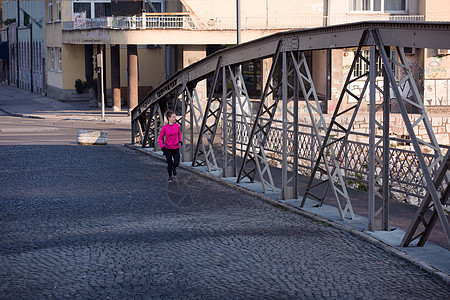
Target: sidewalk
{"type": "Point", "coordinates": [21, 103]}
{"type": "Point", "coordinates": [432, 258]}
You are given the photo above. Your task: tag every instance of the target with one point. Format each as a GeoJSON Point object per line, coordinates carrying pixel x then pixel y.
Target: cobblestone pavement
{"type": "Point", "coordinates": [101, 222]}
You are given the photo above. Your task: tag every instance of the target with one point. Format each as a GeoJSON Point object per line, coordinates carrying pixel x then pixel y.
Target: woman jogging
{"type": "Point", "coordinates": [169, 142]}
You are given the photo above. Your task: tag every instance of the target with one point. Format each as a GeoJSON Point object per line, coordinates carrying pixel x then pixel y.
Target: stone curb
{"type": "Point", "coordinates": [441, 275]}
{"type": "Point", "coordinates": [64, 119]}
{"type": "Point", "coordinates": [19, 115]}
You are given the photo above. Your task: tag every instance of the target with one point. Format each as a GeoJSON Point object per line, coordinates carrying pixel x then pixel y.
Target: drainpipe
{"type": "Point", "coordinates": [329, 57]}
{"type": "Point", "coordinates": [238, 21]}
{"type": "Point", "coordinates": [31, 57]}
{"type": "Point", "coordinates": [8, 65]}
{"type": "Point", "coordinates": [325, 12]}
{"type": "Point", "coordinates": [17, 43]}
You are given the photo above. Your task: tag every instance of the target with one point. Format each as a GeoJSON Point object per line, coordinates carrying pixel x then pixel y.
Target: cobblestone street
{"type": "Point", "coordinates": [101, 222]}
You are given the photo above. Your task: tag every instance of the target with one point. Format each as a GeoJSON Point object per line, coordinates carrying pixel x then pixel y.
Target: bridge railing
{"type": "Point", "coordinates": [406, 176]}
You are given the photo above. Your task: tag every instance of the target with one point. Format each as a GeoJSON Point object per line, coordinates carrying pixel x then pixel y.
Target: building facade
{"type": "Point", "coordinates": [24, 30]}
{"type": "Point", "coordinates": [141, 43]}
{"type": "Point", "coordinates": [429, 66]}
{"type": "Point", "coordinates": [165, 36]}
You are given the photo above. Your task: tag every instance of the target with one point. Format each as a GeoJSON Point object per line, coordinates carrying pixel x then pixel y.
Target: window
{"type": "Point", "coordinates": [50, 10]}
{"type": "Point", "coordinates": [59, 59]}
{"type": "Point", "coordinates": [51, 59]}
{"type": "Point", "coordinates": [79, 7]}
{"type": "Point", "coordinates": [102, 10]}
{"type": "Point", "coordinates": [58, 10]}
{"type": "Point", "coordinates": [251, 72]}
{"type": "Point", "coordinates": [365, 5]}
{"type": "Point", "coordinates": [395, 5]}
{"type": "Point", "coordinates": [154, 6]}
{"type": "Point", "coordinates": [378, 5]}
{"type": "Point", "coordinates": [361, 67]}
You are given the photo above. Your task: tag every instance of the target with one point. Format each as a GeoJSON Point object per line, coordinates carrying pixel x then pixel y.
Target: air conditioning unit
{"type": "Point", "coordinates": [443, 51]}
{"type": "Point", "coordinates": [410, 51]}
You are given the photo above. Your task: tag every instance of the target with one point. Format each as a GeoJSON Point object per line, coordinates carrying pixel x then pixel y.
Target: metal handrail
{"type": "Point", "coordinates": [401, 173]}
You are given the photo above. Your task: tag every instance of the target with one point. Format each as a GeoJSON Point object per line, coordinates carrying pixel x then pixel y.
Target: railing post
{"type": "Point", "coordinates": [144, 21]}
{"type": "Point", "coordinates": [386, 147]}
{"type": "Point", "coordinates": [372, 150]}
{"type": "Point", "coordinates": [284, 167]}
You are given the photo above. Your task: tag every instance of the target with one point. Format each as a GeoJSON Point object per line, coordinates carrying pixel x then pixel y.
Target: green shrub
{"type": "Point", "coordinates": [79, 86]}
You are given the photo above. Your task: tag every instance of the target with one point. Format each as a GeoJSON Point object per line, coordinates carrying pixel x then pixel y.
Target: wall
{"type": "Point", "coordinates": [436, 78]}
{"type": "Point", "coordinates": [259, 10]}
{"type": "Point", "coordinates": [436, 67]}
{"type": "Point", "coordinates": [55, 83]}
{"type": "Point", "coordinates": [192, 54]}
{"type": "Point", "coordinates": [339, 13]}
{"type": "Point", "coordinates": [339, 73]}
{"type": "Point", "coordinates": [435, 10]}
{"type": "Point", "coordinates": [340, 7]}
{"type": "Point", "coordinates": [30, 53]}
{"type": "Point", "coordinates": [151, 69]}
{"type": "Point", "coordinates": [61, 84]}
{"type": "Point", "coordinates": [319, 71]}
{"type": "Point", "coordinates": [151, 66]}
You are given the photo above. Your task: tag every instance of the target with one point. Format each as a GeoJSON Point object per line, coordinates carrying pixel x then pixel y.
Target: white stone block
{"type": "Point", "coordinates": [88, 137]}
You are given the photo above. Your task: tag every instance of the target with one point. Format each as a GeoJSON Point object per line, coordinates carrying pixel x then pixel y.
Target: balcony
{"type": "Point", "coordinates": [342, 19]}
{"type": "Point", "coordinates": [180, 21]}
{"type": "Point", "coordinates": [186, 22]}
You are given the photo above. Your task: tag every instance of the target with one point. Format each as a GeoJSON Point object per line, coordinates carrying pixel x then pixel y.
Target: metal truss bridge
{"type": "Point", "coordinates": [235, 137]}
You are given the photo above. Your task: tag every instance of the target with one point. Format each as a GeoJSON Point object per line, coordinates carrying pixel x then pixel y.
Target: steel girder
{"type": "Point", "coordinates": [289, 167]}
{"type": "Point", "coordinates": [203, 154]}
{"type": "Point", "coordinates": [428, 171]}
{"type": "Point", "coordinates": [414, 230]}
{"type": "Point", "coordinates": [187, 123]}
{"type": "Point", "coordinates": [255, 154]}
{"type": "Point", "coordinates": [204, 151]}
{"type": "Point", "coordinates": [252, 160]}
{"type": "Point", "coordinates": [376, 161]}
{"type": "Point", "coordinates": [228, 127]}
{"type": "Point", "coordinates": [147, 130]}
{"type": "Point", "coordinates": [327, 160]}
{"type": "Point", "coordinates": [153, 126]}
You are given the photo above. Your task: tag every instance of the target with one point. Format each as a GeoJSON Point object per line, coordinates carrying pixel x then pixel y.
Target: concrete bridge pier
{"type": "Point", "coordinates": [115, 77]}
{"type": "Point", "coordinates": [132, 61]}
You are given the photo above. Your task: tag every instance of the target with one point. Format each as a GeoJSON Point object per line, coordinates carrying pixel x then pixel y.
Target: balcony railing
{"type": "Point", "coordinates": [156, 22]}
{"type": "Point", "coordinates": [184, 21]}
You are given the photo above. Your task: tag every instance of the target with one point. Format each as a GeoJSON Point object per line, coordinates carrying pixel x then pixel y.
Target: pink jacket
{"type": "Point", "coordinates": [170, 136]}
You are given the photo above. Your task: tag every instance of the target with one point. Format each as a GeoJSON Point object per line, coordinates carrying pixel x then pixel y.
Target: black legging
{"type": "Point", "coordinates": [173, 160]}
